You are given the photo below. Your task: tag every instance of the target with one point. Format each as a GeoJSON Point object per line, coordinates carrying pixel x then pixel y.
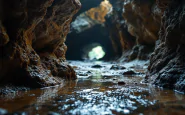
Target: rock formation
{"type": "Point", "coordinates": [167, 63]}
{"type": "Point", "coordinates": [91, 17]}
{"type": "Point", "coordinates": [135, 24]}
{"type": "Point", "coordinates": [148, 21]}
{"type": "Point", "coordinates": [32, 36]}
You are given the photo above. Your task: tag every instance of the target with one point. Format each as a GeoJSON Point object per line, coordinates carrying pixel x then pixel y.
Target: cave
{"type": "Point", "coordinates": [91, 57]}
{"type": "Point", "coordinates": [86, 43]}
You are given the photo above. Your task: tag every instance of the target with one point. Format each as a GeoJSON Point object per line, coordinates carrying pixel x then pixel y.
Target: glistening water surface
{"type": "Point", "coordinates": [101, 88]}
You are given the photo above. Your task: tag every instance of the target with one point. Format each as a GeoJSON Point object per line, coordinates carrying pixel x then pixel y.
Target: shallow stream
{"type": "Point", "coordinates": [102, 88]}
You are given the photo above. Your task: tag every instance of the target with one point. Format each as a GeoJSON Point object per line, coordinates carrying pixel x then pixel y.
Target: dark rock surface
{"type": "Point", "coordinates": [167, 63]}
{"type": "Point", "coordinates": [117, 67]}
{"type": "Point", "coordinates": [129, 72]}
{"type": "Point", "coordinates": [96, 66]}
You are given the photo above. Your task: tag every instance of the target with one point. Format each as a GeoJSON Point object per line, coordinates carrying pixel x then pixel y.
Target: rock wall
{"type": "Point", "coordinates": [167, 63]}
{"type": "Point", "coordinates": [159, 23]}
{"type": "Point", "coordinates": [32, 36]}
{"type": "Point", "coordinates": [135, 25]}
{"type": "Point", "coordinates": [121, 39]}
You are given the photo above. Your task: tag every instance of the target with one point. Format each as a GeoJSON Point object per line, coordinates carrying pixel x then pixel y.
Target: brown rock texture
{"type": "Point", "coordinates": [167, 63]}
{"type": "Point", "coordinates": [100, 12]}
{"type": "Point", "coordinates": [139, 16]}
{"type": "Point", "coordinates": [136, 24]}
{"type": "Point", "coordinates": [32, 36]}
{"type": "Point", "coordinates": [92, 17]}
{"type": "Point", "coordinates": [119, 35]}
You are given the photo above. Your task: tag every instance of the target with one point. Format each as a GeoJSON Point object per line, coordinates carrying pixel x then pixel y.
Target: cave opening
{"type": "Point", "coordinates": [89, 30]}
{"type": "Point", "coordinates": [93, 52]}
{"type": "Point", "coordinates": [79, 45]}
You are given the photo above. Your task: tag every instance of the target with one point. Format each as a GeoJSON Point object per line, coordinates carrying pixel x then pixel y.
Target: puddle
{"type": "Point", "coordinates": [98, 92]}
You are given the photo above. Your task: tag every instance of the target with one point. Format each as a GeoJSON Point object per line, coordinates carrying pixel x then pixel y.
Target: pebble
{"type": "Point", "coordinates": [114, 79]}
{"type": "Point", "coordinates": [121, 83]}
{"type": "Point", "coordinates": [117, 67]}
{"type": "Point", "coordinates": [96, 66]}
{"type": "Point", "coordinates": [83, 74]}
{"type": "Point", "coordinates": [88, 72]}
{"type": "Point", "coordinates": [129, 72]}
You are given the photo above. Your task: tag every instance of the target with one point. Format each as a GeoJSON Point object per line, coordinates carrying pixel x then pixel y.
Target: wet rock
{"type": "Point", "coordinates": [9, 89]}
{"type": "Point", "coordinates": [117, 67]}
{"type": "Point", "coordinates": [167, 61]}
{"type": "Point", "coordinates": [88, 72]}
{"type": "Point", "coordinates": [129, 72]}
{"type": "Point", "coordinates": [97, 66]}
{"type": "Point", "coordinates": [134, 53]}
{"type": "Point", "coordinates": [53, 113]}
{"type": "Point", "coordinates": [115, 79]}
{"type": "Point", "coordinates": [3, 111]}
{"type": "Point", "coordinates": [121, 83]}
{"type": "Point", "coordinates": [82, 74]}
{"type": "Point", "coordinates": [141, 52]}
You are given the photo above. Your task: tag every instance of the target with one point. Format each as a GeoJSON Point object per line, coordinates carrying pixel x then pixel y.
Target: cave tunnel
{"type": "Point", "coordinates": [111, 57]}
{"type": "Point", "coordinates": [92, 35]}
{"type": "Point", "coordinates": [79, 45]}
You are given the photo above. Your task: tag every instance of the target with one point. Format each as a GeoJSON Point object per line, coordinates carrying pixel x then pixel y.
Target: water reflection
{"type": "Point", "coordinates": [98, 95]}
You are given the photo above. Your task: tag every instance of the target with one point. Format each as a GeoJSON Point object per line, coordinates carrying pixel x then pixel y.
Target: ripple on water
{"type": "Point", "coordinates": [99, 94]}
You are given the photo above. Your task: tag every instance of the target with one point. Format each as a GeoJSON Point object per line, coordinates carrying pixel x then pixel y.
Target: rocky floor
{"type": "Point", "coordinates": [101, 88]}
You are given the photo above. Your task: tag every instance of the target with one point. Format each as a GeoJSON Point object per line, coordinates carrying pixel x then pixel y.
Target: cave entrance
{"type": "Point", "coordinates": [93, 52]}
{"type": "Point", "coordinates": [89, 38]}
{"type": "Point", "coordinates": [80, 44]}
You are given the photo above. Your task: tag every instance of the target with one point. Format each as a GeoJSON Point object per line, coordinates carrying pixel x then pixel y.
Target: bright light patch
{"type": "Point", "coordinates": [96, 53]}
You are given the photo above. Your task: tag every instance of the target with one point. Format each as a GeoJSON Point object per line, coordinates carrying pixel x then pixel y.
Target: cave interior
{"type": "Point", "coordinates": [92, 57]}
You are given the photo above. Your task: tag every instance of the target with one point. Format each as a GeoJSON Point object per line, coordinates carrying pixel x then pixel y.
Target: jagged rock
{"type": "Point", "coordinates": [96, 66]}
{"type": "Point", "coordinates": [121, 83]}
{"type": "Point", "coordinates": [117, 67]}
{"type": "Point", "coordinates": [91, 17]}
{"type": "Point", "coordinates": [119, 36]}
{"type": "Point", "coordinates": [141, 23]}
{"type": "Point", "coordinates": [32, 36]}
{"type": "Point", "coordinates": [141, 52]}
{"type": "Point", "coordinates": [129, 72]}
{"type": "Point", "coordinates": [167, 62]}
{"type": "Point", "coordinates": [133, 27]}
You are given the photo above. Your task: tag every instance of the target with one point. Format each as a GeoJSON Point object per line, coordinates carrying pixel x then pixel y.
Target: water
{"type": "Point", "coordinates": [98, 91]}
